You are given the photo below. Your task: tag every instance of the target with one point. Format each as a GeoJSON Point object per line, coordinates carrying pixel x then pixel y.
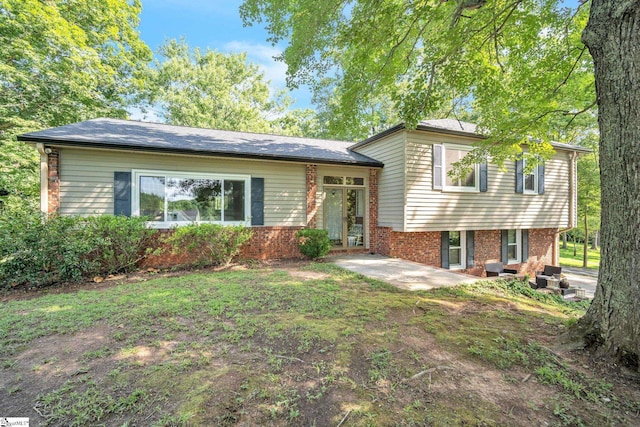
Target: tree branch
{"type": "Point", "coordinates": [573, 67]}
{"type": "Point", "coordinates": [590, 106]}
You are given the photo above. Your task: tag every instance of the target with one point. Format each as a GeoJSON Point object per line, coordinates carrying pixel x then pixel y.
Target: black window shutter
{"type": "Point", "coordinates": [525, 245]}
{"type": "Point", "coordinates": [470, 248]}
{"type": "Point", "coordinates": [484, 180]}
{"type": "Point", "coordinates": [257, 201]}
{"type": "Point", "coordinates": [122, 193]}
{"type": "Point", "coordinates": [541, 178]}
{"type": "Point", "coordinates": [504, 251]}
{"type": "Point", "coordinates": [444, 248]}
{"type": "Point", "coordinates": [519, 177]}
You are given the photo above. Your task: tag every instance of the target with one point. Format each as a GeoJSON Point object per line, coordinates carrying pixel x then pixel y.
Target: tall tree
{"type": "Point", "coordinates": [61, 62]}
{"type": "Point", "coordinates": [211, 89]}
{"type": "Point", "coordinates": [612, 34]}
{"type": "Point", "coordinates": [526, 69]}
{"type": "Point", "coordinates": [371, 115]}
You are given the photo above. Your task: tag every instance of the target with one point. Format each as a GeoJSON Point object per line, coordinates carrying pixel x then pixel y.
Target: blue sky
{"type": "Point", "coordinates": [215, 24]}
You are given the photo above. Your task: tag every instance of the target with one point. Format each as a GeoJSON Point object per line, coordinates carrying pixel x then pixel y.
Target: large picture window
{"type": "Point", "coordinates": [172, 198]}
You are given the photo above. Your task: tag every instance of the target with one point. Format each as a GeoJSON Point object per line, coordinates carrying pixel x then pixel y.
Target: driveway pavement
{"type": "Point", "coordinates": [404, 274]}
{"type": "Point", "coordinates": [582, 278]}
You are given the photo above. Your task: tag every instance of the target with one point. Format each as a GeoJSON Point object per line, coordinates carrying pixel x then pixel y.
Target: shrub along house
{"type": "Point", "coordinates": [389, 194]}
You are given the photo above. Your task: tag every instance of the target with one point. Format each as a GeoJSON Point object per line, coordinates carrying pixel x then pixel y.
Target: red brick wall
{"type": "Point", "coordinates": [266, 243]}
{"type": "Point", "coordinates": [541, 242]}
{"type": "Point", "coordinates": [53, 180]}
{"type": "Point", "coordinates": [374, 238]}
{"type": "Point", "coordinates": [272, 243]}
{"type": "Point", "coordinates": [424, 247]}
{"type": "Point", "coordinates": [312, 189]}
{"type": "Point", "coordinates": [487, 249]}
{"type": "Point", "coordinates": [383, 241]}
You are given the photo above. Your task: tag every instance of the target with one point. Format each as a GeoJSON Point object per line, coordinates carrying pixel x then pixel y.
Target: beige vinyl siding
{"type": "Point", "coordinates": [499, 208]}
{"type": "Point", "coordinates": [391, 181]}
{"type": "Point", "coordinates": [86, 180]}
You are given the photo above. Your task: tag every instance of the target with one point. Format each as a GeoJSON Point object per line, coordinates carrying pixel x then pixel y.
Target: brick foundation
{"type": "Point", "coordinates": [424, 247]}
{"type": "Point", "coordinates": [374, 239]}
{"type": "Point", "coordinates": [312, 189]}
{"type": "Point", "coordinates": [53, 181]}
{"type": "Point", "coordinates": [272, 243]}
{"type": "Point", "coordinates": [266, 243]}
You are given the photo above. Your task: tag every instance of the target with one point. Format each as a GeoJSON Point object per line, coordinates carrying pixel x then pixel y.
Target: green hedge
{"type": "Point", "coordinates": [209, 244]}
{"type": "Point", "coordinates": [36, 250]}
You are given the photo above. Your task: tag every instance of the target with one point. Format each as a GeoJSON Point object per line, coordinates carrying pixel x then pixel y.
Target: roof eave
{"type": "Point", "coordinates": [378, 136]}
{"type": "Point", "coordinates": [401, 126]}
{"type": "Point", "coordinates": [82, 144]}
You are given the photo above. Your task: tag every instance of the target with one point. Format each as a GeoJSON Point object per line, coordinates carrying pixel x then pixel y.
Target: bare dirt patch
{"type": "Point", "coordinates": [307, 275]}
{"type": "Point", "coordinates": [47, 364]}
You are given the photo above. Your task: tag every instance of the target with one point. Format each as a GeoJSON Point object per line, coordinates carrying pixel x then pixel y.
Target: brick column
{"type": "Point", "coordinates": [53, 180]}
{"type": "Point", "coordinates": [312, 190]}
{"type": "Point", "coordinates": [373, 211]}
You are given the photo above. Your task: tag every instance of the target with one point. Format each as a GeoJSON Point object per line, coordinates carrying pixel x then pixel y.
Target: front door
{"type": "Point", "coordinates": [344, 216]}
{"type": "Point", "coordinates": [334, 215]}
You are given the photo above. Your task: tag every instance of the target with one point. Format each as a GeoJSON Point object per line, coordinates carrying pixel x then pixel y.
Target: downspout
{"type": "Point", "coordinates": [573, 208]}
{"type": "Point", "coordinates": [44, 178]}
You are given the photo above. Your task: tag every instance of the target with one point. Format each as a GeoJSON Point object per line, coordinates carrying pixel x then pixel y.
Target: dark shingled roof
{"type": "Point", "coordinates": [141, 136]}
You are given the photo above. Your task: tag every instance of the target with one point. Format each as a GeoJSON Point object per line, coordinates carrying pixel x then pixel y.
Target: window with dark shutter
{"type": "Point", "coordinates": [257, 201]}
{"type": "Point", "coordinates": [444, 249]}
{"type": "Point", "coordinates": [470, 248]}
{"type": "Point", "coordinates": [122, 193]}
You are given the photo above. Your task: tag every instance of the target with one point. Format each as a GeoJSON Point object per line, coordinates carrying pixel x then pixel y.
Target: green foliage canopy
{"type": "Point", "coordinates": [520, 65]}
{"type": "Point", "coordinates": [210, 89]}
{"type": "Point", "coordinates": [62, 62]}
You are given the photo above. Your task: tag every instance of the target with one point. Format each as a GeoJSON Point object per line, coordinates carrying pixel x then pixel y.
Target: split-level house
{"type": "Point", "coordinates": [390, 194]}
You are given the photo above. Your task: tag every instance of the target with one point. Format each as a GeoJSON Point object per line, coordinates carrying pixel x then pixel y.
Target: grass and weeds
{"type": "Point", "coordinates": [305, 345]}
{"type": "Point", "coordinates": [568, 260]}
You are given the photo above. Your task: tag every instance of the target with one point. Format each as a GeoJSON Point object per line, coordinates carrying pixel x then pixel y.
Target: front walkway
{"type": "Point", "coordinates": [403, 274]}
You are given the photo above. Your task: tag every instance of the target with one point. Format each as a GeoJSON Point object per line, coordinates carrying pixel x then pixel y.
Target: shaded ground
{"type": "Point", "coordinates": [302, 345]}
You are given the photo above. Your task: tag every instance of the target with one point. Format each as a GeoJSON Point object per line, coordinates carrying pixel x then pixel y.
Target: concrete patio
{"type": "Point", "coordinates": [407, 275]}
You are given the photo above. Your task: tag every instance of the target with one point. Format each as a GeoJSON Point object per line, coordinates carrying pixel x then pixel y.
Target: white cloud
{"type": "Point", "coordinates": [263, 56]}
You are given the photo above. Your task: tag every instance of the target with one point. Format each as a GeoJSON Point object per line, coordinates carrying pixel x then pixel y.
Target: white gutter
{"type": "Point", "coordinates": [44, 178]}
{"type": "Point", "coordinates": [573, 206]}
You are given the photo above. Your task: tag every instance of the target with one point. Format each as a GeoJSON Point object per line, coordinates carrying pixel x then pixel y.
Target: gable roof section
{"type": "Point", "coordinates": [156, 137]}
{"type": "Point", "coordinates": [454, 127]}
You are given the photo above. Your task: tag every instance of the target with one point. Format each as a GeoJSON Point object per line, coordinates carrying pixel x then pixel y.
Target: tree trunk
{"type": "Point", "coordinates": [612, 323]}
{"type": "Point", "coordinates": [564, 240]}
{"type": "Point", "coordinates": [594, 241]}
{"type": "Point", "coordinates": [575, 252]}
{"type": "Point", "coordinates": [585, 248]}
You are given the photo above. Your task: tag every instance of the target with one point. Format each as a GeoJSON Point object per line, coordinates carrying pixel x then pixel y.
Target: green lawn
{"type": "Point", "coordinates": [567, 259]}
{"type": "Point", "coordinates": [310, 345]}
